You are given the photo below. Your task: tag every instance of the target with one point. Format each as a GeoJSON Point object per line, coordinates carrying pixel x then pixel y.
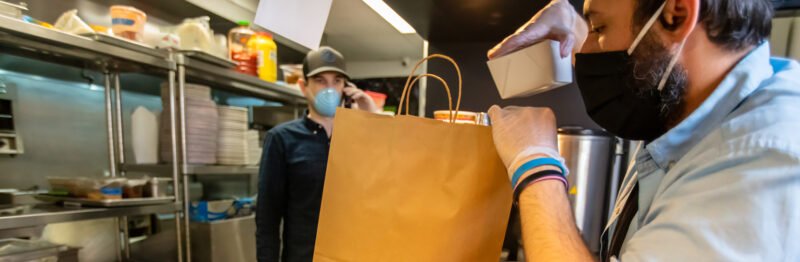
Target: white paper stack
{"type": "Point", "coordinates": [253, 148]}
{"type": "Point", "coordinates": [144, 135]}
{"type": "Point", "coordinates": [201, 126]}
{"type": "Point", "coordinates": [232, 148]}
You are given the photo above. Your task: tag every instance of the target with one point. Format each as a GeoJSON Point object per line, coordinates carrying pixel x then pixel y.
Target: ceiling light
{"type": "Point", "coordinates": [390, 16]}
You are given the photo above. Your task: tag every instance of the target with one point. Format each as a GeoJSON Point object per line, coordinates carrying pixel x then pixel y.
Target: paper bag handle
{"type": "Point", "coordinates": [444, 83]}
{"type": "Point", "coordinates": [410, 84]}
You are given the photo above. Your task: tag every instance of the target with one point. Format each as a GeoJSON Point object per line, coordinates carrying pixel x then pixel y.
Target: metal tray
{"type": "Point", "coordinates": [208, 58]}
{"type": "Point", "coordinates": [107, 202]}
{"type": "Point", "coordinates": [127, 44]}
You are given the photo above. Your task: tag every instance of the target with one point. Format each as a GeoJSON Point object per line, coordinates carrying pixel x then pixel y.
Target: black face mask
{"type": "Point", "coordinates": [612, 103]}
{"type": "Point", "coordinates": [605, 81]}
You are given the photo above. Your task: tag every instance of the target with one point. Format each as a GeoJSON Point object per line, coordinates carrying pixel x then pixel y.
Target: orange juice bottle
{"type": "Point", "coordinates": [265, 50]}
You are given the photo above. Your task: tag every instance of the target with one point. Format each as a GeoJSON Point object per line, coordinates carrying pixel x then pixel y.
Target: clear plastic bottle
{"type": "Point", "coordinates": [246, 61]}
{"type": "Point", "coordinates": [266, 53]}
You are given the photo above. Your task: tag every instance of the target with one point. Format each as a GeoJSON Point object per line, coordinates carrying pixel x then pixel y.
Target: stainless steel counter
{"type": "Point", "coordinates": [46, 213]}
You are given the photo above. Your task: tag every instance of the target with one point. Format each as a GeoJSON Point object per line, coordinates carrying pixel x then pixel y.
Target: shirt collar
{"type": "Point", "coordinates": [740, 83]}
{"type": "Point", "coordinates": [310, 124]}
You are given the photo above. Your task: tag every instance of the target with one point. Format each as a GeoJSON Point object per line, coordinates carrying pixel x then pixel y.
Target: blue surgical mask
{"type": "Point", "coordinates": [326, 101]}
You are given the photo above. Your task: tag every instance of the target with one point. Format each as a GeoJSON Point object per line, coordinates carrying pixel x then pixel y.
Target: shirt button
{"type": "Point", "coordinates": [315, 132]}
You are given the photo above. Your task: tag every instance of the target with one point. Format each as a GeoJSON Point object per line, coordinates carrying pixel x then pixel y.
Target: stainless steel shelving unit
{"type": "Point", "coordinates": [57, 46]}
{"type": "Point", "coordinates": [29, 40]}
{"type": "Point", "coordinates": [46, 214]}
{"type": "Point", "coordinates": [200, 71]}
{"type": "Point", "coordinates": [198, 170]}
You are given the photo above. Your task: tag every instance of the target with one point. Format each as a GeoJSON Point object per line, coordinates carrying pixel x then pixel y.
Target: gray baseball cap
{"type": "Point", "coordinates": [324, 59]}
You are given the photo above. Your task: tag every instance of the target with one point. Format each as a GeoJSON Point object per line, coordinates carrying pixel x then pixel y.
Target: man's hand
{"type": "Point", "coordinates": [548, 226]}
{"type": "Point", "coordinates": [362, 100]}
{"type": "Point", "coordinates": [557, 21]}
{"type": "Point", "coordinates": [523, 133]}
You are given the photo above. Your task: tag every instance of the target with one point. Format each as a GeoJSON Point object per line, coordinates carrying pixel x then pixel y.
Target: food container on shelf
{"type": "Point", "coordinates": [239, 51]}
{"type": "Point", "coordinates": [221, 42]}
{"type": "Point", "coordinates": [195, 34]}
{"type": "Point", "coordinates": [101, 188]}
{"type": "Point", "coordinates": [37, 22]}
{"type": "Point", "coordinates": [134, 188]}
{"type": "Point", "coordinates": [292, 73]}
{"type": "Point", "coordinates": [100, 29]}
{"type": "Point", "coordinates": [71, 23]}
{"type": "Point", "coordinates": [90, 188]}
{"type": "Point", "coordinates": [266, 54]}
{"type": "Point", "coordinates": [378, 98]}
{"type": "Point", "coordinates": [63, 186]}
{"type": "Point", "coordinates": [462, 117]}
{"type": "Point", "coordinates": [12, 10]}
{"type": "Point", "coordinates": [128, 22]}
{"type": "Point", "coordinates": [158, 187]}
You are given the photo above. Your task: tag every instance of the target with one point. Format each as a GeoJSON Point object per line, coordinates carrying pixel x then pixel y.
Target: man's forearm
{"type": "Point", "coordinates": [548, 226]}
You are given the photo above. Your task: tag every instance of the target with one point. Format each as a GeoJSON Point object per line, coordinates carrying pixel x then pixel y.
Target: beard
{"type": "Point", "coordinates": [650, 62]}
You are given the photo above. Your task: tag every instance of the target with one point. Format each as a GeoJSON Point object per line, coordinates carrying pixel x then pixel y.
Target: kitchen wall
{"type": "Point", "coordinates": [785, 39]}
{"type": "Point", "coordinates": [60, 117]}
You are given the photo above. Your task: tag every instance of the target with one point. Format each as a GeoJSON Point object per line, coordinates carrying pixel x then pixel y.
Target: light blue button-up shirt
{"type": "Point", "coordinates": [724, 184]}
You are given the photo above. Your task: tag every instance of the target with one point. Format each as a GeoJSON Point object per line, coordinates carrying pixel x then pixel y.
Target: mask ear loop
{"type": "Point", "coordinates": [671, 67]}
{"type": "Point", "coordinates": [646, 28]}
{"type": "Point", "coordinates": [641, 36]}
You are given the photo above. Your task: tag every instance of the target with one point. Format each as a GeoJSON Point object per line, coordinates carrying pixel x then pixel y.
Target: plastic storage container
{"type": "Point", "coordinates": [195, 34]}
{"type": "Point", "coordinates": [128, 22]}
{"type": "Point", "coordinates": [378, 98]}
{"type": "Point", "coordinates": [90, 188]}
{"type": "Point", "coordinates": [462, 117]}
{"type": "Point", "coordinates": [238, 37]}
{"type": "Point", "coordinates": [266, 53]}
{"type": "Point", "coordinates": [292, 73]}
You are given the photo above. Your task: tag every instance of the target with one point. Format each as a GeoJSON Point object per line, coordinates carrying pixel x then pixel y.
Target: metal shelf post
{"type": "Point", "coordinates": [182, 150]}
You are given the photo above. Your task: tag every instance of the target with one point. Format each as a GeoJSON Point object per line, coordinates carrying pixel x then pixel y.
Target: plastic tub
{"type": "Point", "coordinates": [91, 188]}
{"type": "Point", "coordinates": [379, 98]}
{"type": "Point", "coordinates": [462, 117]}
{"type": "Point", "coordinates": [292, 73]}
{"type": "Point", "coordinates": [63, 186]}
{"type": "Point", "coordinates": [134, 188]}
{"type": "Point", "coordinates": [128, 22]}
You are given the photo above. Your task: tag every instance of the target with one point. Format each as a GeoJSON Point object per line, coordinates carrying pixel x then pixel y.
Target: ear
{"type": "Point", "coordinates": [679, 18]}
{"type": "Point", "coordinates": [302, 84]}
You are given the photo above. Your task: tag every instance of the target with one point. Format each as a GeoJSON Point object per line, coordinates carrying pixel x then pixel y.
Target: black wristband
{"type": "Point", "coordinates": [524, 183]}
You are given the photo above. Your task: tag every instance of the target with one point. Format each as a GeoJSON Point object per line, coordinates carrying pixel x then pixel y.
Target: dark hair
{"type": "Point", "coordinates": [732, 24]}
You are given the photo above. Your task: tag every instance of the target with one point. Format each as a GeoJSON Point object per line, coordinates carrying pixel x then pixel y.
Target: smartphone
{"type": "Point", "coordinates": [347, 101]}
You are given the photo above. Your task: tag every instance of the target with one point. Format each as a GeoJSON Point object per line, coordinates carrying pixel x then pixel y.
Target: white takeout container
{"type": "Point", "coordinates": [532, 70]}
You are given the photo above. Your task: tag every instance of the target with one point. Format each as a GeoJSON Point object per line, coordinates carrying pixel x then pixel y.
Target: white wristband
{"type": "Point", "coordinates": [549, 152]}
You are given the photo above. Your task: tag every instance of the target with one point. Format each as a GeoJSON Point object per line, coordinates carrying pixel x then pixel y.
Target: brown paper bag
{"type": "Point", "coordinates": [411, 189]}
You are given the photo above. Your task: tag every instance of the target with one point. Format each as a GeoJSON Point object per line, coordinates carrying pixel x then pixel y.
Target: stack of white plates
{"type": "Point", "coordinates": [232, 148]}
{"type": "Point", "coordinates": [253, 147]}
{"type": "Point", "coordinates": [201, 126]}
